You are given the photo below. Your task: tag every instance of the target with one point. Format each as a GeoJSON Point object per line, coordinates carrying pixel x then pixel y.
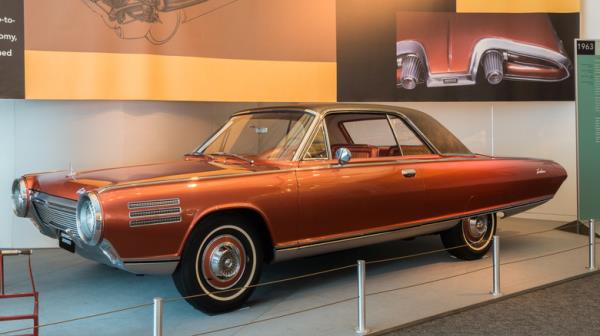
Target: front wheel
{"type": "Point", "coordinates": [471, 238]}
{"type": "Point", "coordinates": [220, 264]}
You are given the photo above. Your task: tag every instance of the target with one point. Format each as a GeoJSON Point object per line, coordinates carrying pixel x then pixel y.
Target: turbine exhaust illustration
{"type": "Point", "coordinates": [155, 20]}
{"type": "Point", "coordinates": [453, 53]}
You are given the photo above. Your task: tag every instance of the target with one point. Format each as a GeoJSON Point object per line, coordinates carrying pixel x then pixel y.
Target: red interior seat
{"type": "Point", "coordinates": [358, 151]}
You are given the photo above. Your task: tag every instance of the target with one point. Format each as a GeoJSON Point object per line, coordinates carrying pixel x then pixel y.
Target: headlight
{"type": "Point", "coordinates": [20, 197]}
{"type": "Point", "coordinates": [89, 219]}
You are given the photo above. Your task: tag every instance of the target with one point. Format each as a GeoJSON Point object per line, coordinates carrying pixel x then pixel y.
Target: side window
{"type": "Point", "coordinates": [374, 132]}
{"type": "Point", "coordinates": [409, 143]}
{"type": "Point", "coordinates": [318, 148]}
{"type": "Point", "coordinates": [365, 135]}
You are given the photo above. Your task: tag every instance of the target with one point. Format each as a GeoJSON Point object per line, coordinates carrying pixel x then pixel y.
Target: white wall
{"type": "Point", "coordinates": [48, 135]}
{"type": "Point", "coordinates": [39, 135]}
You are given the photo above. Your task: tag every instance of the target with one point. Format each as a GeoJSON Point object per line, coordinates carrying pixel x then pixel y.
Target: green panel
{"type": "Point", "coordinates": [588, 128]}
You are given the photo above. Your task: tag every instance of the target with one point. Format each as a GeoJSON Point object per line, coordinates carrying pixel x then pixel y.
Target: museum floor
{"type": "Point", "coordinates": [71, 287]}
{"type": "Point", "coordinates": [564, 309]}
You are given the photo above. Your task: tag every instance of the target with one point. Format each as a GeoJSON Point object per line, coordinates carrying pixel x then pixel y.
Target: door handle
{"type": "Point", "coordinates": [409, 172]}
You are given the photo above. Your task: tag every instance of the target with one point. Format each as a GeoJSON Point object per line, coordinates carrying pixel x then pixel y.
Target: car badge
{"type": "Point", "coordinates": [540, 171]}
{"type": "Point", "coordinates": [81, 191]}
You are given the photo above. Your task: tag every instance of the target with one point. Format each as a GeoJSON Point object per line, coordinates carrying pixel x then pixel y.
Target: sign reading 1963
{"type": "Point", "coordinates": [12, 67]}
{"type": "Point", "coordinates": [586, 47]}
{"type": "Point", "coordinates": [588, 129]}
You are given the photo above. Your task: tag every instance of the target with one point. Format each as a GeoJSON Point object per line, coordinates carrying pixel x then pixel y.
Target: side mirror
{"type": "Point", "coordinates": [343, 155]}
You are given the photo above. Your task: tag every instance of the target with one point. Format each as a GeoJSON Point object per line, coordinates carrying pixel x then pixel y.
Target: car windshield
{"type": "Point", "coordinates": [260, 135]}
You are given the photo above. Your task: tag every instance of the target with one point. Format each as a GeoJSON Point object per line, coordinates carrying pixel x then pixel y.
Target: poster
{"type": "Point", "coordinates": [191, 50]}
{"type": "Point", "coordinates": [455, 50]}
{"type": "Point", "coordinates": [12, 74]}
{"type": "Point", "coordinates": [288, 50]}
{"type": "Point", "coordinates": [588, 128]}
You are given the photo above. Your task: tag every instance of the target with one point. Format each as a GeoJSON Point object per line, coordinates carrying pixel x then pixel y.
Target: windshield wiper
{"type": "Point", "coordinates": [237, 156]}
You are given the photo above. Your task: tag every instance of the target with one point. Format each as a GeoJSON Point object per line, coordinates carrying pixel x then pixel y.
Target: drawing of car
{"type": "Point", "coordinates": [156, 20]}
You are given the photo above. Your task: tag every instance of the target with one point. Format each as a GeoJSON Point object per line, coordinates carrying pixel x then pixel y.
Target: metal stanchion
{"type": "Point", "coordinates": [362, 305]}
{"type": "Point", "coordinates": [158, 316]}
{"type": "Point", "coordinates": [496, 268]}
{"type": "Point", "coordinates": [592, 250]}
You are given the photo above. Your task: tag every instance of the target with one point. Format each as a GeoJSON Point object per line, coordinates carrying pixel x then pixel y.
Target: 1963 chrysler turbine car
{"type": "Point", "coordinates": [285, 182]}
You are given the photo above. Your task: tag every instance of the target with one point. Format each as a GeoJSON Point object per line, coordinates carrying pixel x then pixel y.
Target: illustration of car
{"type": "Point", "coordinates": [278, 183]}
{"type": "Point", "coordinates": [441, 49]}
{"type": "Point", "coordinates": [155, 20]}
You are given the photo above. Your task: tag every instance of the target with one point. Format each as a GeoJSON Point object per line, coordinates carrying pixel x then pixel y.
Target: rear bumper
{"type": "Point", "coordinates": [104, 252]}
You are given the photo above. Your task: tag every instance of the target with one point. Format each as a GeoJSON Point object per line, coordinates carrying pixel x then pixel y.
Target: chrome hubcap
{"type": "Point", "coordinates": [477, 227]}
{"type": "Point", "coordinates": [477, 231]}
{"type": "Point", "coordinates": [225, 261]}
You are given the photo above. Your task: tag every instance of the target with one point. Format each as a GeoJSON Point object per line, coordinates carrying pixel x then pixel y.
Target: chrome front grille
{"type": "Point", "coordinates": [56, 212]}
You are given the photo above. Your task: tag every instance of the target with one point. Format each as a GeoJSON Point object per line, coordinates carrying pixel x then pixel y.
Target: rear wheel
{"type": "Point", "coordinates": [221, 262]}
{"type": "Point", "coordinates": [471, 238]}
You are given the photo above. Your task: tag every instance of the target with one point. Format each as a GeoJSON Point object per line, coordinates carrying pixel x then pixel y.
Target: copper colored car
{"type": "Point", "coordinates": [441, 49]}
{"type": "Point", "coordinates": [285, 182]}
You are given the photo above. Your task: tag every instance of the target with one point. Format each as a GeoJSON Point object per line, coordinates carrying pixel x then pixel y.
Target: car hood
{"type": "Point", "coordinates": [70, 186]}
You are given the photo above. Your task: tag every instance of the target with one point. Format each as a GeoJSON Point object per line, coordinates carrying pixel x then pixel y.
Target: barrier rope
{"type": "Point", "coordinates": [212, 331]}
{"type": "Point", "coordinates": [314, 274]}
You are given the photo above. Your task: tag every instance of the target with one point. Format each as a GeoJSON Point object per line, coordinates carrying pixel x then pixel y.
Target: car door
{"type": "Point", "coordinates": [378, 190]}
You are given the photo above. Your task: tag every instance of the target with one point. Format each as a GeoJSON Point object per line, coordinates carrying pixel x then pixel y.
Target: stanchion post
{"type": "Point", "coordinates": [592, 250]}
{"type": "Point", "coordinates": [158, 317]}
{"type": "Point", "coordinates": [496, 267]}
{"type": "Point", "coordinates": [361, 329]}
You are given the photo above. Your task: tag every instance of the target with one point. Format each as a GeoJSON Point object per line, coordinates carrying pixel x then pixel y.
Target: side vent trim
{"type": "Point", "coordinates": [153, 203]}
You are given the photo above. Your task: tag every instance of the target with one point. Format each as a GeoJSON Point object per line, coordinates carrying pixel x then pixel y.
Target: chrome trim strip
{"type": "Point", "coordinates": [155, 221]}
{"type": "Point", "coordinates": [153, 203]}
{"type": "Point", "coordinates": [154, 212]}
{"type": "Point", "coordinates": [412, 47]}
{"type": "Point", "coordinates": [327, 246]}
{"type": "Point", "coordinates": [354, 242]}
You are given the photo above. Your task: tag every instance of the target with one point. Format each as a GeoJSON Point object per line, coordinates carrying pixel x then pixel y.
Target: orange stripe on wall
{"type": "Point", "coordinates": [82, 75]}
{"type": "Point", "coordinates": [517, 6]}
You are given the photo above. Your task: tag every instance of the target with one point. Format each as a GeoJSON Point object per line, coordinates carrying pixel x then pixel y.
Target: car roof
{"type": "Point", "coordinates": [322, 108]}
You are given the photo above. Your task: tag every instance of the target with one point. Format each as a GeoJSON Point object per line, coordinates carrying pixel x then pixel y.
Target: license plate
{"type": "Point", "coordinates": [66, 242]}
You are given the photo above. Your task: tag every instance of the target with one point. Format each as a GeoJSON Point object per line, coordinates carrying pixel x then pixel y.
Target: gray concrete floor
{"type": "Point", "coordinates": [566, 309]}
{"type": "Point", "coordinates": [70, 287]}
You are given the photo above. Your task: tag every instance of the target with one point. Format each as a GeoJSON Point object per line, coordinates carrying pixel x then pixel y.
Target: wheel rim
{"type": "Point", "coordinates": [226, 282]}
{"type": "Point", "coordinates": [223, 262]}
{"type": "Point", "coordinates": [477, 231]}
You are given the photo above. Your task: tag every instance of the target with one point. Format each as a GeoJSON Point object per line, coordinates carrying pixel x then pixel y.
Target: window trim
{"type": "Point", "coordinates": [312, 138]}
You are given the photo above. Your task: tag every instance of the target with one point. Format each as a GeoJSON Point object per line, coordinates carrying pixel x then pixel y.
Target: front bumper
{"type": "Point", "coordinates": [53, 215]}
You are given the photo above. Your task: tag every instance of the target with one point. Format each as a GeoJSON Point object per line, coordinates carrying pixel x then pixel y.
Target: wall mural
{"type": "Point", "coordinates": [288, 50]}
{"type": "Point", "coordinates": [156, 21]}
{"type": "Point", "coordinates": [463, 50]}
